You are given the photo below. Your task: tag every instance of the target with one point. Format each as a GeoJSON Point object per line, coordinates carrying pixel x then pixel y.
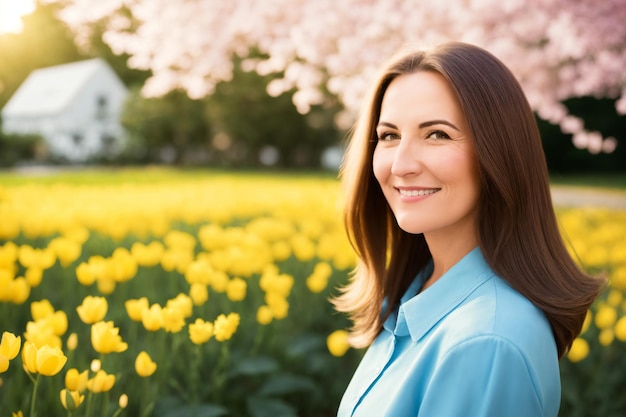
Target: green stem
{"type": "Point", "coordinates": [117, 412]}
{"type": "Point", "coordinates": [106, 404]}
{"type": "Point", "coordinates": [32, 400]}
{"type": "Point", "coordinates": [89, 404]}
{"type": "Point", "coordinates": [218, 375]}
{"type": "Point", "coordinates": [194, 383]}
{"type": "Point", "coordinates": [258, 338]}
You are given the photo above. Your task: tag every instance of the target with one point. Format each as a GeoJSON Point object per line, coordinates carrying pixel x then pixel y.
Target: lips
{"type": "Point", "coordinates": [417, 192]}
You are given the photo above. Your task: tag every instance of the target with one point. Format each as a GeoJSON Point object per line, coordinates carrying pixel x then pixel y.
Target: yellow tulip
{"type": "Point", "coordinates": [200, 331]}
{"type": "Point", "coordinates": [183, 303]}
{"type": "Point", "coordinates": [10, 345]}
{"type": "Point", "coordinates": [199, 294]}
{"type": "Point", "coordinates": [123, 401]}
{"type": "Point", "coordinates": [8, 254]}
{"type": "Point", "coordinates": [106, 339]}
{"type": "Point", "coordinates": [29, 357]}
{"type": "Point", "coordinates": [606, 316]}
{"type": "Point", "coordinates": [50, 360]}
{"type": "Point", "coordinates": [264, 315]}
{"type": "Point", "coordinates": [281, 250]}
{"type": "Point", "coordinates": [198, 272]}
{"type": "Point", "coordinates": [122, 266]}
{"type": "Point", "coordinates": [147, 255]}
{"type": "Point", "coordinates": [316, 283]}
{"type": "Point", "coordinates": [225, 326]}
{"type": "Point", "coordinates": [278, 304]}
{"type": "Point", "coordinates": [86, 273]}
{"type": "Point", "coordinates": [58, 322]}
{"type": "Point", "coordinates": [106, 286]}
{"type": "Point", "coordinates": [18, 414]}
{"type": "Point", "coordinates": [4, 363]}
{"type": "Point", "coordinates": [72, 342]}
{"type": "Point", "coordinates": [579, 350]}
{"type": "Point", "coordinates": [236, 289]}
{"type": "Point", "coordinates": [75, 381]}
{"type": "Point", "coordinates": [173, 319]}
{"type": "Point", "coordinates": [66, 250]}
{"type": "Point", "coordinates": [93, 309]}
{"type": "Point", "coordinates": [45, 360]}
{"type": "Point", "coordinates": [337, 343]}
{"type": "Point", "coordinates": [33, 276]}
{"type": "Point", "coordinates": [6, 283]}
{"type": "Point", "coordinates": [620, 329]}
{"type": "Point", "coordinates": [101, 382]}
{"type": "Point", "coordinates": [95, 365]}
{"type": "Point", "coordinates": [606, 336]}
{"type": "Point", "coordinates": [71, 400]}
{"type": "Point", "coordinates": [218, 281]}
{"type": "Point", "coordinates": [152, 318]}
{"type": "Point", "coordinates": [42, 333]}
{"type": "Point", "coordinates": [144, 365]}
{"type": "Point", "coordinates": [19, 290]}
{"type": "Point", "coordinates": [135, 308]}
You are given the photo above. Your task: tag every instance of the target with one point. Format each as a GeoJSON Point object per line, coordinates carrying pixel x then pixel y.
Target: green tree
{"type": "Point", "coordinates": [171, 128]}
{"type": "Point", "coordinates": [44, 41]}
{"type": "Point", "coordinates": [254, 121]}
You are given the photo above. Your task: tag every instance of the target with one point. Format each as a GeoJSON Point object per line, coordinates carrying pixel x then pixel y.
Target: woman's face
{"type": "Point", "coordinates": [424, 159]}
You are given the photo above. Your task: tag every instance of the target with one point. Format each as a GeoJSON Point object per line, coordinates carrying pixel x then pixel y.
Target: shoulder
{"type": "Point", "coordinates": [492, 375]}
{"type": "Point", "coordinates": [500, 338]}
{"type": "Point", "coordinates": [497, 310]}
{"type": "Point", "coordinates": [498, 323]}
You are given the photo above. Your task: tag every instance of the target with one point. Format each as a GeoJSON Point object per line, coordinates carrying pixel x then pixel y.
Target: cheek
{"type": "Point", "coordinates": [461, 164]}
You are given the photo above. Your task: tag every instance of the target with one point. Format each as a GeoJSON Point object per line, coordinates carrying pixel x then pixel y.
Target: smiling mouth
{"type": "Point", "coordinates": [418, 193]}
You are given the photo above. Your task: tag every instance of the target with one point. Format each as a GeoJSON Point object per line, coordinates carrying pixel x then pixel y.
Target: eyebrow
{"type": "Point", "coordinates": [424, 124]}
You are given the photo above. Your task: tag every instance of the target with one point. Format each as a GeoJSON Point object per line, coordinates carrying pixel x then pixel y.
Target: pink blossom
{"type": "Point", "coordinates": [558, 49]}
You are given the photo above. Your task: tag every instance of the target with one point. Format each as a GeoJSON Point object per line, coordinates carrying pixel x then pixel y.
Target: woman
{"type": "Point", "coordinates": [464, 288]}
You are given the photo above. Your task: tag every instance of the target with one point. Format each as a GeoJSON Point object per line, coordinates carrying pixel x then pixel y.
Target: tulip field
{"type": "Point", "coordinates": [189, 293]}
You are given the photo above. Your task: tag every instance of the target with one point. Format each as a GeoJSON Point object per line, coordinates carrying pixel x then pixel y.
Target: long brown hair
{"type": "Point", "coordinates": [517, 227]}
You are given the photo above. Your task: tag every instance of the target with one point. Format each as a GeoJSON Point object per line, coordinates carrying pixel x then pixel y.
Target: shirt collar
{"type": "Point", "coordinates": [419, 312]}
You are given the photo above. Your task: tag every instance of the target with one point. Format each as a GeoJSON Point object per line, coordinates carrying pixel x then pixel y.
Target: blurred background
{"type": "Point", "coordinates": [96, 85]}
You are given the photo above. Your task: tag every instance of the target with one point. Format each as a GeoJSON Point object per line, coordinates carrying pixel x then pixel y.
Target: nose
{"type": "Point", "coordinates": [407, 158]}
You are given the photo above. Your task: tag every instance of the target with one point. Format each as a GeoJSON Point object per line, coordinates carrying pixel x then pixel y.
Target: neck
{"type": "Point", "coordinates": [446, 253]}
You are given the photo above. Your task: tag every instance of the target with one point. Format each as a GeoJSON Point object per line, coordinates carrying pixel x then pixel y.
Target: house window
{"type": "Point", "coordinates": [108, 142]}
{"type": "Point", "coordinates": [101, 107]}
{"type": "Point", "coordinates": [77, 138]}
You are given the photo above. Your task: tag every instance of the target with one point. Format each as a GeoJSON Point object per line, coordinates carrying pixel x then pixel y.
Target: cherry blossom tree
{"type": "Point", "coordinates": [558, 49]}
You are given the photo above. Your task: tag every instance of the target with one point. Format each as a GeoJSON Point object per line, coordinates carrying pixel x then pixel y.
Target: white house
{"type": "Point", "coordinates": [74, 107]}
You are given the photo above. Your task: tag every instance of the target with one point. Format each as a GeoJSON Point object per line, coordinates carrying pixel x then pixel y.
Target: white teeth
{"type": "Point", "coordinates": [417, 193]}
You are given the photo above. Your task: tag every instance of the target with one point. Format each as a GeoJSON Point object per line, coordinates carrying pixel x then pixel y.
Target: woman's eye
{"type": "Point", "coordinates": [386, 136]}
{"type": "Point", "coordinates": [438, 134]}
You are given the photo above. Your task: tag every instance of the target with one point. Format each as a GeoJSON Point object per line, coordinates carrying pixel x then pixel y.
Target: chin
{"type": "Point", "coordinates": [410, 227]}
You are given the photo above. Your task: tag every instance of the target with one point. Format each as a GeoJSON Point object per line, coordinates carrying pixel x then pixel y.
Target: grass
{"type": "Point", "coordinates": [159, 174]}
{"type": "Point", "coordinates": [600, 181]}
{"type": "Point", "coordinates": [140, 175]}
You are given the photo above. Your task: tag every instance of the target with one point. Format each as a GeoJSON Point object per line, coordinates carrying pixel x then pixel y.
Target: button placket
{"type": "Point", "coordinates": [377, 370]}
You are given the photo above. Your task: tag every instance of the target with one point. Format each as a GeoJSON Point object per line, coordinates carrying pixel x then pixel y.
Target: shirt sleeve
{"type": "Point", "coordinates": [486, 376]}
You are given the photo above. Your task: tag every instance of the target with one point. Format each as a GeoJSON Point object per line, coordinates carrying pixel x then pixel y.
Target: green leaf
{"type": "Point", "coordinates": [305, 344]}
{"type": "Point", "coordinates": [254, 366]}
{"type": "Point", "coordinates": [267, 407]}
{"type": "Point", "coordinates": [174, 407]}
{"type": "Point", "coordinates": [285, 384]}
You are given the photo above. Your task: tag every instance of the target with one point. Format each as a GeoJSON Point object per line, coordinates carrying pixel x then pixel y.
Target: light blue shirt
{"type": "Point", "coordinates": [468, 346]}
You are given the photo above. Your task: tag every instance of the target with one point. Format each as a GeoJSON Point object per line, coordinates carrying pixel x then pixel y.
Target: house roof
{"type": "Point", "coordinates": [48, 91]}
